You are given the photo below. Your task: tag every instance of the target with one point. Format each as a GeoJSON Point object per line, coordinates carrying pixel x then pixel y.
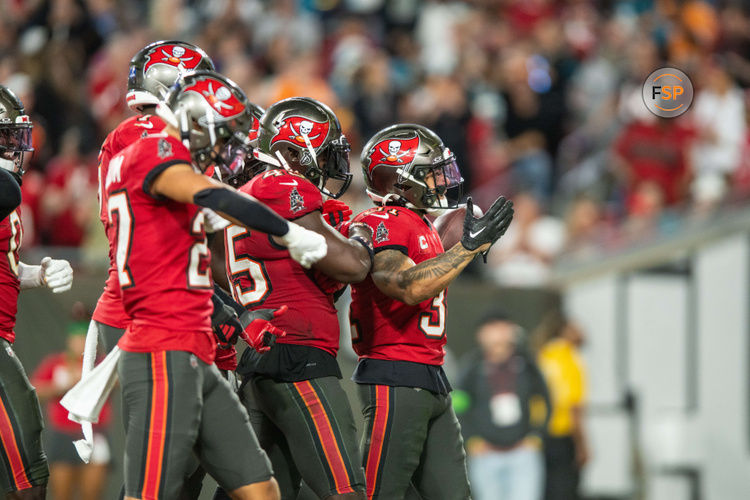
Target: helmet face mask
{"type": "Point", "coordinates": [157, 66]}
{"type": "Point", "coordinates": [232, 155]}
{"type": "Point", "coordinates": [303, 135]}
{"type": "Point", "coordinates": [409, 165]}
{"type": "Point", "coordinates": [15, 132]}
{"type": "Point", "coordinates": [442, 184]}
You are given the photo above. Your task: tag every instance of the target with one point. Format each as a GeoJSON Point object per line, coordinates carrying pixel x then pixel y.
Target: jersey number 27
{"type": "Point", "coordinates": [120, 215]}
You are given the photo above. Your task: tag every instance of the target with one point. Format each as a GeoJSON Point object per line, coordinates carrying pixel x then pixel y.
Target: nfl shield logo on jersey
{"type": "Point", "coordinates": [296, 202]}
{"type": "Point", "coordinates": [381, 234]}
{"type": "Point", "coordinates": [165, 149]}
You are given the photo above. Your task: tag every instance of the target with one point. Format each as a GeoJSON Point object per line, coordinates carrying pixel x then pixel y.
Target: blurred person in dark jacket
{"type": "Point", "coordinates": [502, 405]}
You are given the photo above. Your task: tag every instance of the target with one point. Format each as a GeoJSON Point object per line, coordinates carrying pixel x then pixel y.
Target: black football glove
{"type": "Point", "coordinates": [489, 227]}
{"type": "Point", "coordinates": [226, 325]}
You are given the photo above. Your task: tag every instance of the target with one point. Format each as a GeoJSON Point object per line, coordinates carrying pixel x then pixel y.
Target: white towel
{"type": "Point", "coordinates": [85, 446]}
{"type": "Point", "coordinates": [84, 400]}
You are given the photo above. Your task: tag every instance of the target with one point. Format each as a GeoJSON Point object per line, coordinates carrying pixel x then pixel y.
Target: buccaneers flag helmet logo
{"type": "Point", "coordinates": [218, 96]}
{"type": "Point", "coordinates": [294, 128]}
{"type": "Point", "coordinates": [180, 56]}
{"type": "Point", "coordinates": [395, 152]}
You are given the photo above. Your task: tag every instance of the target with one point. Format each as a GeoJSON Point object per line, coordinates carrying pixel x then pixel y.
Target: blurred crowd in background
{"type": "Point", "coordinates": [539, 100]}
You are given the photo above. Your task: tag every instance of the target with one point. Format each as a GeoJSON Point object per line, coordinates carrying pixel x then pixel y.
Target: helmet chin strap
{"type": "Point", "coordinates": [313, 158]}
{"type": "Point", "coordinates": [382, 200]}
{"type": "Point", "coordinates": [282, 162]}
{"type": "Point", "coordinates": [437, 212]}
{"type": "Point", "coordinates": [211, 130]}
{"type": "Point", "coordinates": [184, 128]}
{"type": "Point", "coordinates": [266, 158]}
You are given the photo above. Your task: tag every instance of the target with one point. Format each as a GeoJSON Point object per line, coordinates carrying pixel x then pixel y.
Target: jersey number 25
{"type": "Point", "coordinates": [250, 285]}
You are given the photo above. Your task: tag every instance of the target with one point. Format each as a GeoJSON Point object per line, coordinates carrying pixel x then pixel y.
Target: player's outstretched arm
{"type": "Point", "coordinates": [10, 193]}
{"type": "Point", "coordinates": [180, 183]}
{"type": "Point", "coordinates": [397, 276]}
{"type": "Point", "coordinates": [348, 260]}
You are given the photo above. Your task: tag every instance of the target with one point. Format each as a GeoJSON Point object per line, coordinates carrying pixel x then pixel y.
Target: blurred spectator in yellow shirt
{"type": "Point", "coordinates": [565, 445]}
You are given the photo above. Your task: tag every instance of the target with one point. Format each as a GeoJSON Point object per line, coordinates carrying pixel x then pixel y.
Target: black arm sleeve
{"type": "Point", "coordinates": [252, 214]}
{"type": "Point", "coordinates": [10, 193]}
{"type": "Point", "coordinates": [228, 299]}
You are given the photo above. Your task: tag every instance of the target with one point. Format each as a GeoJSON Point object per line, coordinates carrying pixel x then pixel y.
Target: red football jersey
{"type": "Point", "coordinates": [385, 328]}
{"type": "Point", "coordinates": [109, 309]}
{"type": "Point", "coordinates": [264, 276]}
{"type": "Point", "coordinates": [11, 233]}
{"type": "Point", "coordinates": [161, 253]}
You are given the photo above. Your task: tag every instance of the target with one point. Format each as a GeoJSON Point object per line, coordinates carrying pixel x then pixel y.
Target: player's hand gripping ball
{"type": "Point", "coordinates": [450, 225]}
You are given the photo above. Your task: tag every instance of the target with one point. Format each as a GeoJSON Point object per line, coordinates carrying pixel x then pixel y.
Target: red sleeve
{"type": "Point", "coordinates": [105, 153]}
{"type": "Point", "coordinates": [390, 229]}
{"type": "Point", "coordinates": [166, 151]}
{"type": "Point", "coordinates": [290, 196]}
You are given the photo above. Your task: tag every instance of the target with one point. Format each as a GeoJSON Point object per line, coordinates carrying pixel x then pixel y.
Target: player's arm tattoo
{"type": "Point", "coordinates": [397, 276]}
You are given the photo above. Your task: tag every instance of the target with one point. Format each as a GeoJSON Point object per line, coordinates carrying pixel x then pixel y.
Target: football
{"type": "Point", "coordinates": [450, 225]}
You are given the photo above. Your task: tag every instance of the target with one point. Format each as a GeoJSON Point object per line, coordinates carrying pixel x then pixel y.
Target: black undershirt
{"type": "Point", "coordinates": [289, 363]}
{"type": "Point", "coordinates": [402, 374]}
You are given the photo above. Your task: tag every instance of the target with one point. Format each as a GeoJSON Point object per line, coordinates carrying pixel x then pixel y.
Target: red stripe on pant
{"type": "Point", "coordinates": [157, 430]}
{"type": "Point", "coordinates": [377, 438]}
{"type": "Point", "coordinates": [325, 434]}
{"type": "Point", "coordinates": [12, 450]}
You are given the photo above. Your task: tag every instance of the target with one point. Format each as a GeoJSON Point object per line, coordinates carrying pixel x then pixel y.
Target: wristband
{"type": "Point", "coordinates": [368, 246]}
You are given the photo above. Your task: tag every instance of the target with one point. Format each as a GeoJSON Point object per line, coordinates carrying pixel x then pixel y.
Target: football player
{"type": "Point", "coordinates": [230, 320]}
{"type": "Point", "coordinates": [293, 394]}
{"type": "Point", "coordinates": [398, 314]}
{"type": "Point", "coordinates": [25, 472]}
{"type": "Point", "coordinates": [153, 70]}
{"type": "Point", "coordinates": [174, 398]}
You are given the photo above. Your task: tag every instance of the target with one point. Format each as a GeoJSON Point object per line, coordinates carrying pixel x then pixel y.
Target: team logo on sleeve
{"type": "Point", "coordinates": [218, 96]}
{"type": "Point", "coordinates": [294, 129]}
{"type": "Point", "coordinates": [296, 201]}
{"type": "Point", "coordinates": [395, 152]}
{"type": "Point", "coordinates": [381, 233]}
{"type": "Point", "coordinates": [179, 56]}
{"type": "Point", "coordinates": [164, 149]}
